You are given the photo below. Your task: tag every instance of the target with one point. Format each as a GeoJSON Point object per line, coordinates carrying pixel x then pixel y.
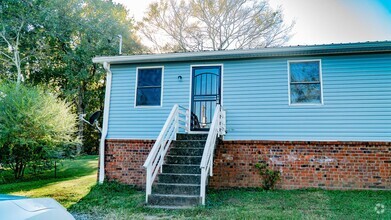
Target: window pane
{"type": "Point", "coordinates": [304, 71]}
{"type": "Point", "coordinates": [305, 93]}
{"type": "Point", "coordinates": [148, 96]}
{"type": "Point", "coordinates": [150, 77]}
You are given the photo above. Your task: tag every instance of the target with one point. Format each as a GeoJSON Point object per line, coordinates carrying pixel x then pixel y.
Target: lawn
{"type": "Point", "coordinates": [74, 181]}
{"type": "Point", "coordinates": [75, 188]}
{"type": "Point", "coordinates": [115, 201]}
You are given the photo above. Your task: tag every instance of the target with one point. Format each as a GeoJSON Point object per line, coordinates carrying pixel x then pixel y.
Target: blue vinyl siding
{"type": "Point", "coordinates": [356, 96]}
{"type": "Point", "coordinates": [128, 122]}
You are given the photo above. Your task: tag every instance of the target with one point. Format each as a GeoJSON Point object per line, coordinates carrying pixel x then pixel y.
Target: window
{"type": "Point", "coordinates": [305, 82]}
{"type": "Point", "coordinates": [149, 86]}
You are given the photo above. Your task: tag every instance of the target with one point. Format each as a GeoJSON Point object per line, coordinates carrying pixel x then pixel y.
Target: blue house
{"type": "Point", "coordinates": [179, 122]}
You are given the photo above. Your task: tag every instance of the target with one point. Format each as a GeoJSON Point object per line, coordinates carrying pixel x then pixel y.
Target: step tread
{"type": "Point", "coordinates": [178, 151]}
{"type": "Point", "coordinates": [196, 160]}
{"type": "Point", "coordinates": [187, 165]}
{"type": "Point", "coordinates": [175, 150]}
{"type": "Point", "coordinates": [189, 140]}
{"type": "Point", "coordinates": [177, 184]}
{"type": "Point", "coordinates": [181, 156]}
{"type": "Point", "coordinates": [187, 148]}
{"type": "Point", "coordinates": [169, 207]}
{"type": "Point", "coordinates": [199, 136]}
{"type": "Point", "coordinates": [180, 174]}
{"type": "Point", "coordinates": [175, 195]}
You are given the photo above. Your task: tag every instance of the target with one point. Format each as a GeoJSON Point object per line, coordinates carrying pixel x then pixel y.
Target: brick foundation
{"type": "Point", "coordinates": [124, 160]}
{"type": "Point", "coordinates": [329, 165]}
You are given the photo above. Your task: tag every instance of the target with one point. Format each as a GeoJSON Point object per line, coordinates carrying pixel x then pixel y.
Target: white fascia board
{"type": "Point", "coordinates": [368, 47]}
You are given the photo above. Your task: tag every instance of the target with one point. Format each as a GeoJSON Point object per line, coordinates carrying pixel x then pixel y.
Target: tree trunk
{"type": "Point", "coordinates": [19, 169]}
{"type": "Point", "coordinates": [18, 65]}
{"type": "Point", "coordinates": [55, 169]}
{"type": "Point", "coordinates": [80, 110]}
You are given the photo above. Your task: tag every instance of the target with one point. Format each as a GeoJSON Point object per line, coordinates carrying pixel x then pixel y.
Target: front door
{"type": "Point", "coordinates": [206, 94]}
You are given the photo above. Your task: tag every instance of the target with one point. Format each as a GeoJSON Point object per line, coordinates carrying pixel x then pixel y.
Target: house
{"type": "Point", "coordinates": [176, 123]}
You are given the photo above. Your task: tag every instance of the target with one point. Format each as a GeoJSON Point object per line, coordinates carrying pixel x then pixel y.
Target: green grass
{"type": "Point", "coordinates": [116, 201]}
{"type": "Point", "coordinates": [76, 189]}
{"type": "Point", "coordinates": [75, 178]}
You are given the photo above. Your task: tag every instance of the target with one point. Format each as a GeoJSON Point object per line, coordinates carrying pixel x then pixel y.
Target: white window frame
{"type": "Point", "coordinates": [320, 81]}
{"type": "Point", "coordinates": [161, 90]}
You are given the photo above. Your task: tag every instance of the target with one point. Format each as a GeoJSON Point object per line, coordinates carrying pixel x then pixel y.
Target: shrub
{"type": "Point", "coordinates": [269, 177]}
{"type": "Point", "coordinates": [34, 126]}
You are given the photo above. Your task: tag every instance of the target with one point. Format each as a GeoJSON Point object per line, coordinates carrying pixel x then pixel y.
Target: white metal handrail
{"type": "Point", "coordinates": [176, 120]}
{"type": "Point", "coordinates": [217, 129]}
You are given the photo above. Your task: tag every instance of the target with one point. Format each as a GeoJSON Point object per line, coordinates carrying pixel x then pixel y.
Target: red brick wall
{"type": "Point", "coordinates": [124, 161]}
{"type": "Point", "coordinates": [329, 165]}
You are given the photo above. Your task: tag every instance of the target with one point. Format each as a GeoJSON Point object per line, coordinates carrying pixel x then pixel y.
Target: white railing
{"type": "Point", "coordinates": [178, 119]}
{"type": "Point", "coordinates": [217, 129]}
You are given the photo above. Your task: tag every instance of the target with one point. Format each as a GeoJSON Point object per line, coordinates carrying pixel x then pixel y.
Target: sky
{"type": "Point", "coordinates": [320, 21]}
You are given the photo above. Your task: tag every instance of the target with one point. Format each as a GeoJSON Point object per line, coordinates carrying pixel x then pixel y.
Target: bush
{"type": "Point", "coordinates": [269, 177]}
{"type": "Point", "coordinates": [34, 126]}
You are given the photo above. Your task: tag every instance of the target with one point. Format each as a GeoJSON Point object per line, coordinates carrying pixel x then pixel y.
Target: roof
{"type": "Point", "coordinates": [308, 50]}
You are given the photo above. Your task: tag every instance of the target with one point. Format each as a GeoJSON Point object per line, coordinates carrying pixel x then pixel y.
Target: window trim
{"type": "Point", "coordinates": [161, 90]}
{"type": "Point", "coordinates": [320, 82]}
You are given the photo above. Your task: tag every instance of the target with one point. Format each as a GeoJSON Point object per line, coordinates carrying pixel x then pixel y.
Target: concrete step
{"type": "Point", "coordinates": [191, 136]}
{"type": "Point", "coordinates": [183, 159]}
{"type": "Point", "coordinates": [169, 207]}
{"type": "Point", "coordinates": [180, 151]}
{"type": "Point", "coordinates": [178, 189]}
{"type": "Point", "coordinates": [181, 168]}
{"type": "Point", "coordinates": [173, 200]}
{"type": "Point", "coordinates": [179, 178]}
{"type": "Point", "coordinates": [189, 144]}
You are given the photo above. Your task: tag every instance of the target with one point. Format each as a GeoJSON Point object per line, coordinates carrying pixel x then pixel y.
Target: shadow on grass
{"type": "Point", "coordinates": [116, 201]}
{"type": "Point", "coordinates": [113, 200]}
{"type": "Point", "coordinates": [67, 170]}
{"type": "Point", "coordinates": [106, 199]}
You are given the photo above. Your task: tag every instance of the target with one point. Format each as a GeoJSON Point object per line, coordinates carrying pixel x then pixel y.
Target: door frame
{"type": "Point", "coordinates": [191, 89]}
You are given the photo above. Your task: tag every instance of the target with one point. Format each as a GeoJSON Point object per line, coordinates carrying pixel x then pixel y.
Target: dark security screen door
{"type": "Point", "coordinates": [206, 94]}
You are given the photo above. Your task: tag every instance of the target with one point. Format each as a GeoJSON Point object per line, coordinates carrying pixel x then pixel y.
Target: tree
{"type": "Point", "coordinates": [13, 55]}
{"type": "Point", "coordinates": [80, 30]}
{"type": "Point", "coordinates": [34, 125]}
{"type": "Point", "coordinates": [59, 40]}
{"type": "Point", "coordinates": [198, 25]}
{"type": "Point", "coordinates": [17, 28]}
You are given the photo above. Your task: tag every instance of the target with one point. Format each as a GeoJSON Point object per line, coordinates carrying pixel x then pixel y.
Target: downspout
{"type": "Point", "coordinates": [106, 109]}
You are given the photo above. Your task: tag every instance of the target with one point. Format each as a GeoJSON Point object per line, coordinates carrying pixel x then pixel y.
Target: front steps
{"type": "Point", "coordinates": [178, 186]}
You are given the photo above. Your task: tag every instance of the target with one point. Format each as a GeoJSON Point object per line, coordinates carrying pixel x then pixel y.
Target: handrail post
{"type": "Point", "coordinates": [219, 123]}
{"type": "Point", "coordinates": [203, 185]}
{"type": "Point", "coordinates": [161, 155]}
{"type": "Point", "coordinates": [222, 122]}
{"type": "Point", "coordinates": [176, 121]}
{"type": "Point", "coordinates": [187, 125]}
{"type": "Point", "coordinates": [211, 164]}
{"type": "Point", "coordinates": [148, 189]}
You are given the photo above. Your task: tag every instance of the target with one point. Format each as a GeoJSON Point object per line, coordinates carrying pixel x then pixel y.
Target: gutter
{"type": "Point", "coordinates": [106, 110]}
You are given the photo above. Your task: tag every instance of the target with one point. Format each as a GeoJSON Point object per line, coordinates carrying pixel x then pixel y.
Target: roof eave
{"type": "Point", "coordinates": [358, 48]}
